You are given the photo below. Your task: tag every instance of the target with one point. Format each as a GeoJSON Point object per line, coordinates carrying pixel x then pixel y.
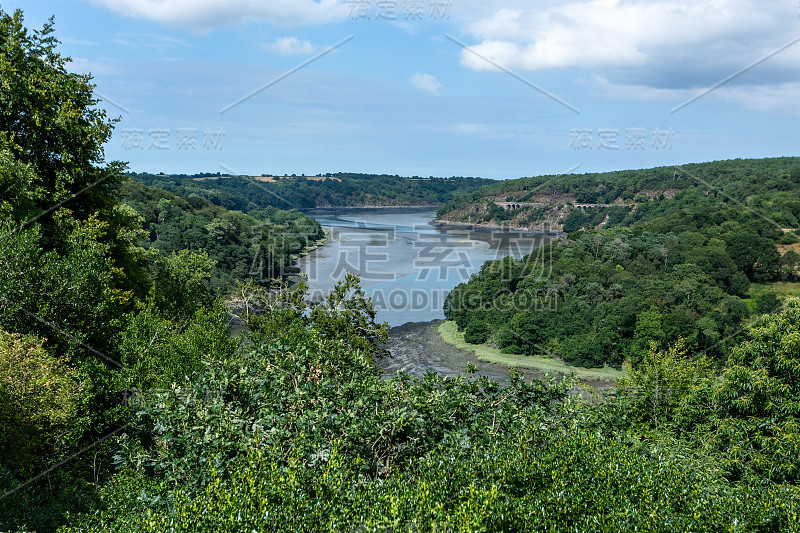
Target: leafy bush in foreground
{"type": "Point", "coordinates": [299, 432]}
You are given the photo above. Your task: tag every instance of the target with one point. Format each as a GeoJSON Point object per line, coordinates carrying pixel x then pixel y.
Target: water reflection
{"type": "Point", "coordinates": [406, 265]}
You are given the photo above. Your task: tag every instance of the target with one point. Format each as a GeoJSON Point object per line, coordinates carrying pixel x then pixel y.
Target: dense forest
{"type": "Point", "coordinates": [606, 296]}
{"type": "Point", "coordinates": [598, 297]}
{"type": "Point", "coordinates": [127, 405]}
{"type": "Point", "coordinates": [672, 259]}
{"type": "Point", "coordinates": [767, 189]}
{"type": "Point", "coordinates": [258, 246]}
{"type": "Point", "coordinates": [244, 193]}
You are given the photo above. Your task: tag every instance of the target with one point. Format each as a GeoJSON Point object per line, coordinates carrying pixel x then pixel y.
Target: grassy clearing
{"type": "Point", "coordinates": [781, 289]}
{"type": "Point", "coordinates": [451, 335]}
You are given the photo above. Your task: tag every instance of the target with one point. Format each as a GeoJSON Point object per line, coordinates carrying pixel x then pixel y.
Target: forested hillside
{"type": "Point", "coordinates": [767, 189]}
{"type": "Point", "coordinates": [257, 246]}
{"type": "Point", "coordinates": [299, 192]}
{"type": "Point", "coordinates": [672, 264]}
{"type": "Point", "coordinates": [127, 405]}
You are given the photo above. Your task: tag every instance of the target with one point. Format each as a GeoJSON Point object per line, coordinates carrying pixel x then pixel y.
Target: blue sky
{"type": "Point", "coordinates": [543, 87]}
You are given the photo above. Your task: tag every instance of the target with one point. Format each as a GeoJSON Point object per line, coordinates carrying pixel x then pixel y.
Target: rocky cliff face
{"type": "Point", "coordinates": [548, 213]}
{"type": "Point", "coordinates": [539, 218]}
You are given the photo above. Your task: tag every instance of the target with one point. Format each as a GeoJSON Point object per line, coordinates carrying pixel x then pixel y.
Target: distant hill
{"type": "Point", "coordinates": [653, 257]}
{"type": "Point", "coordinates": [307, 192]}
{"type": "Point", "coordinates": [767, 187]}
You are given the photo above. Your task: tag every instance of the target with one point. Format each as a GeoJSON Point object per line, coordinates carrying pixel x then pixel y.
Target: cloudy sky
{"type": "Point", "coordinates": [499, 89]}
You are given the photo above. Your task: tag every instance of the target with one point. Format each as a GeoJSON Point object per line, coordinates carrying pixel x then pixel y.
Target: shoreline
{"type": "Point", "coordinates": [234, 303]}
{"type": "Point", "coordinates": [491, 228]}
{"type": "Point", "coordinates": [319, 244]}
{"type": "Point", "coordinates": [418, 347]}
{"type": "Point", "coordinates": [306, 210]}
{"type": "Point", "coordinates": [306, 254]}
{"type": "Point", "coordinates": [536, 363]}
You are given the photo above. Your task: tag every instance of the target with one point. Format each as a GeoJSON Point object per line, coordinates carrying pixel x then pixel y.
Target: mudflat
{"type": "Point", "coordinates": [417, 347]}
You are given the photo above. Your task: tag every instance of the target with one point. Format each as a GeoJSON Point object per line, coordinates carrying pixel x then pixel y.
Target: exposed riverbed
{"type": "Point", "coordinates": [417, 347]}
{"type": "Point", "coordinates": [408, 266]}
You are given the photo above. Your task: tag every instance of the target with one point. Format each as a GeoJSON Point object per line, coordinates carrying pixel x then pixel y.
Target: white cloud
{"type": "Point", "coordinates": [639, 92]}
{"type": "Point", "coordinates": [81, 65]}
{"type": "Point", "coordinates": [665, 44]}
{"type": "Point", "coordinates": [204, 15]}
{"type": "Point", "coordinates": [79, 42]}
{"type": "Point", "coordinates": [287, 46]}
{"type": "Point", "coordinates": [781, 98]}
{"type": "Point", "coordinates": [469, 128]}
{"type": "Point", "coordinates": [427, 83]}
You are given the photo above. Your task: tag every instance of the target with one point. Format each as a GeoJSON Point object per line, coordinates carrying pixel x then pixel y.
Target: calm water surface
{"type": "Point", "coordinates": [406, 265]}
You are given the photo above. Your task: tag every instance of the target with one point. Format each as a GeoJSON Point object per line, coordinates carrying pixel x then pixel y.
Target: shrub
{"type": "Point", "coordinates": [477, 332]}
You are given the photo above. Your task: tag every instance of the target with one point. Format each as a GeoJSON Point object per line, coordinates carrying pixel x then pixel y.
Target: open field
{"type": "Point", "coordinates": [453, 337]}
{"type": "Point", "coordinates": [781, 289]}
{"type": "Point", "coordinates": [272, 179]}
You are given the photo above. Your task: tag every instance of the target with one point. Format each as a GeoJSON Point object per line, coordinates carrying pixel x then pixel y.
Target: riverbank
{"type": "Point", "coordinates": [444, 225]}
{"type": "Point", "coordinates": [449, 333]}
{"type": "Point", "coordinates": [311, 247]}
{"type": "Point", "coordinates": [418, 347]}
{"type": "Point", "coordinates": [367, 208]}
{"type": "Point", "coordinates": [238, 307]}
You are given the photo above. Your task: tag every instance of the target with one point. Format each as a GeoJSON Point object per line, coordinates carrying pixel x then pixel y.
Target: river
{"type": "Point", "coordinates": [406, 265]}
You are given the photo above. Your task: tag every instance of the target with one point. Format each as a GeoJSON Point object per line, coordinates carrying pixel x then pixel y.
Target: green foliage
{"type": "Point", "coordinates": [258, 246]}
{"type": "Point", "coordinates": [762, 193]}
{"type": "Point", "coordinates": [652, 392]}
{"type": "Point", "coordinates": [74, 277]}
{"type": "Point", "coordinates": [51, 132]}
{"type": "Point", "coordinates": [296, 393]}
{"type": "Point", "coordinates": [38, 397]}
{"type": "Point", "coordinates": [16, 183]}
{"type": "Point", "coordinates": [749, 416]}
{"type": "Point", "coordinates": [742, 421]}
{"type": "Point", "coordinates": [789, 263]}
{"type": "Point", "coordinates": [606, 295]}
{"type": "Point", "coordinates": [767, 303]}
{"type": "Point", "coordinates": [243, 193]}
{"type": "Point", "coordinates": [575, 220]}
{"type": "Point", "coordinates": [346, 315]}
{"type": "Point", "coordinates": [73, 300]}
{"type": "Point", "coordinates": [180, 282]}
{"type": "Point", "coordinates": [754, 255]}
{"type": "Point", "coordinates": [68, 272]}
{"type": "Point", "coordinates": [300, 433]}
{"type": "Point", "coordinates": [537, 477]}
{"type": "Point", "coordinates": [295, 429]}
{"type": "Point", "coordinates": [157, 352]}
{"type": "Point", "coordinates": [477, 332]}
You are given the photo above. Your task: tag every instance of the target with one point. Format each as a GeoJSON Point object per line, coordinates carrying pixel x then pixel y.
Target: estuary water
{"type": "Point", "coordinates": [406, 265]}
